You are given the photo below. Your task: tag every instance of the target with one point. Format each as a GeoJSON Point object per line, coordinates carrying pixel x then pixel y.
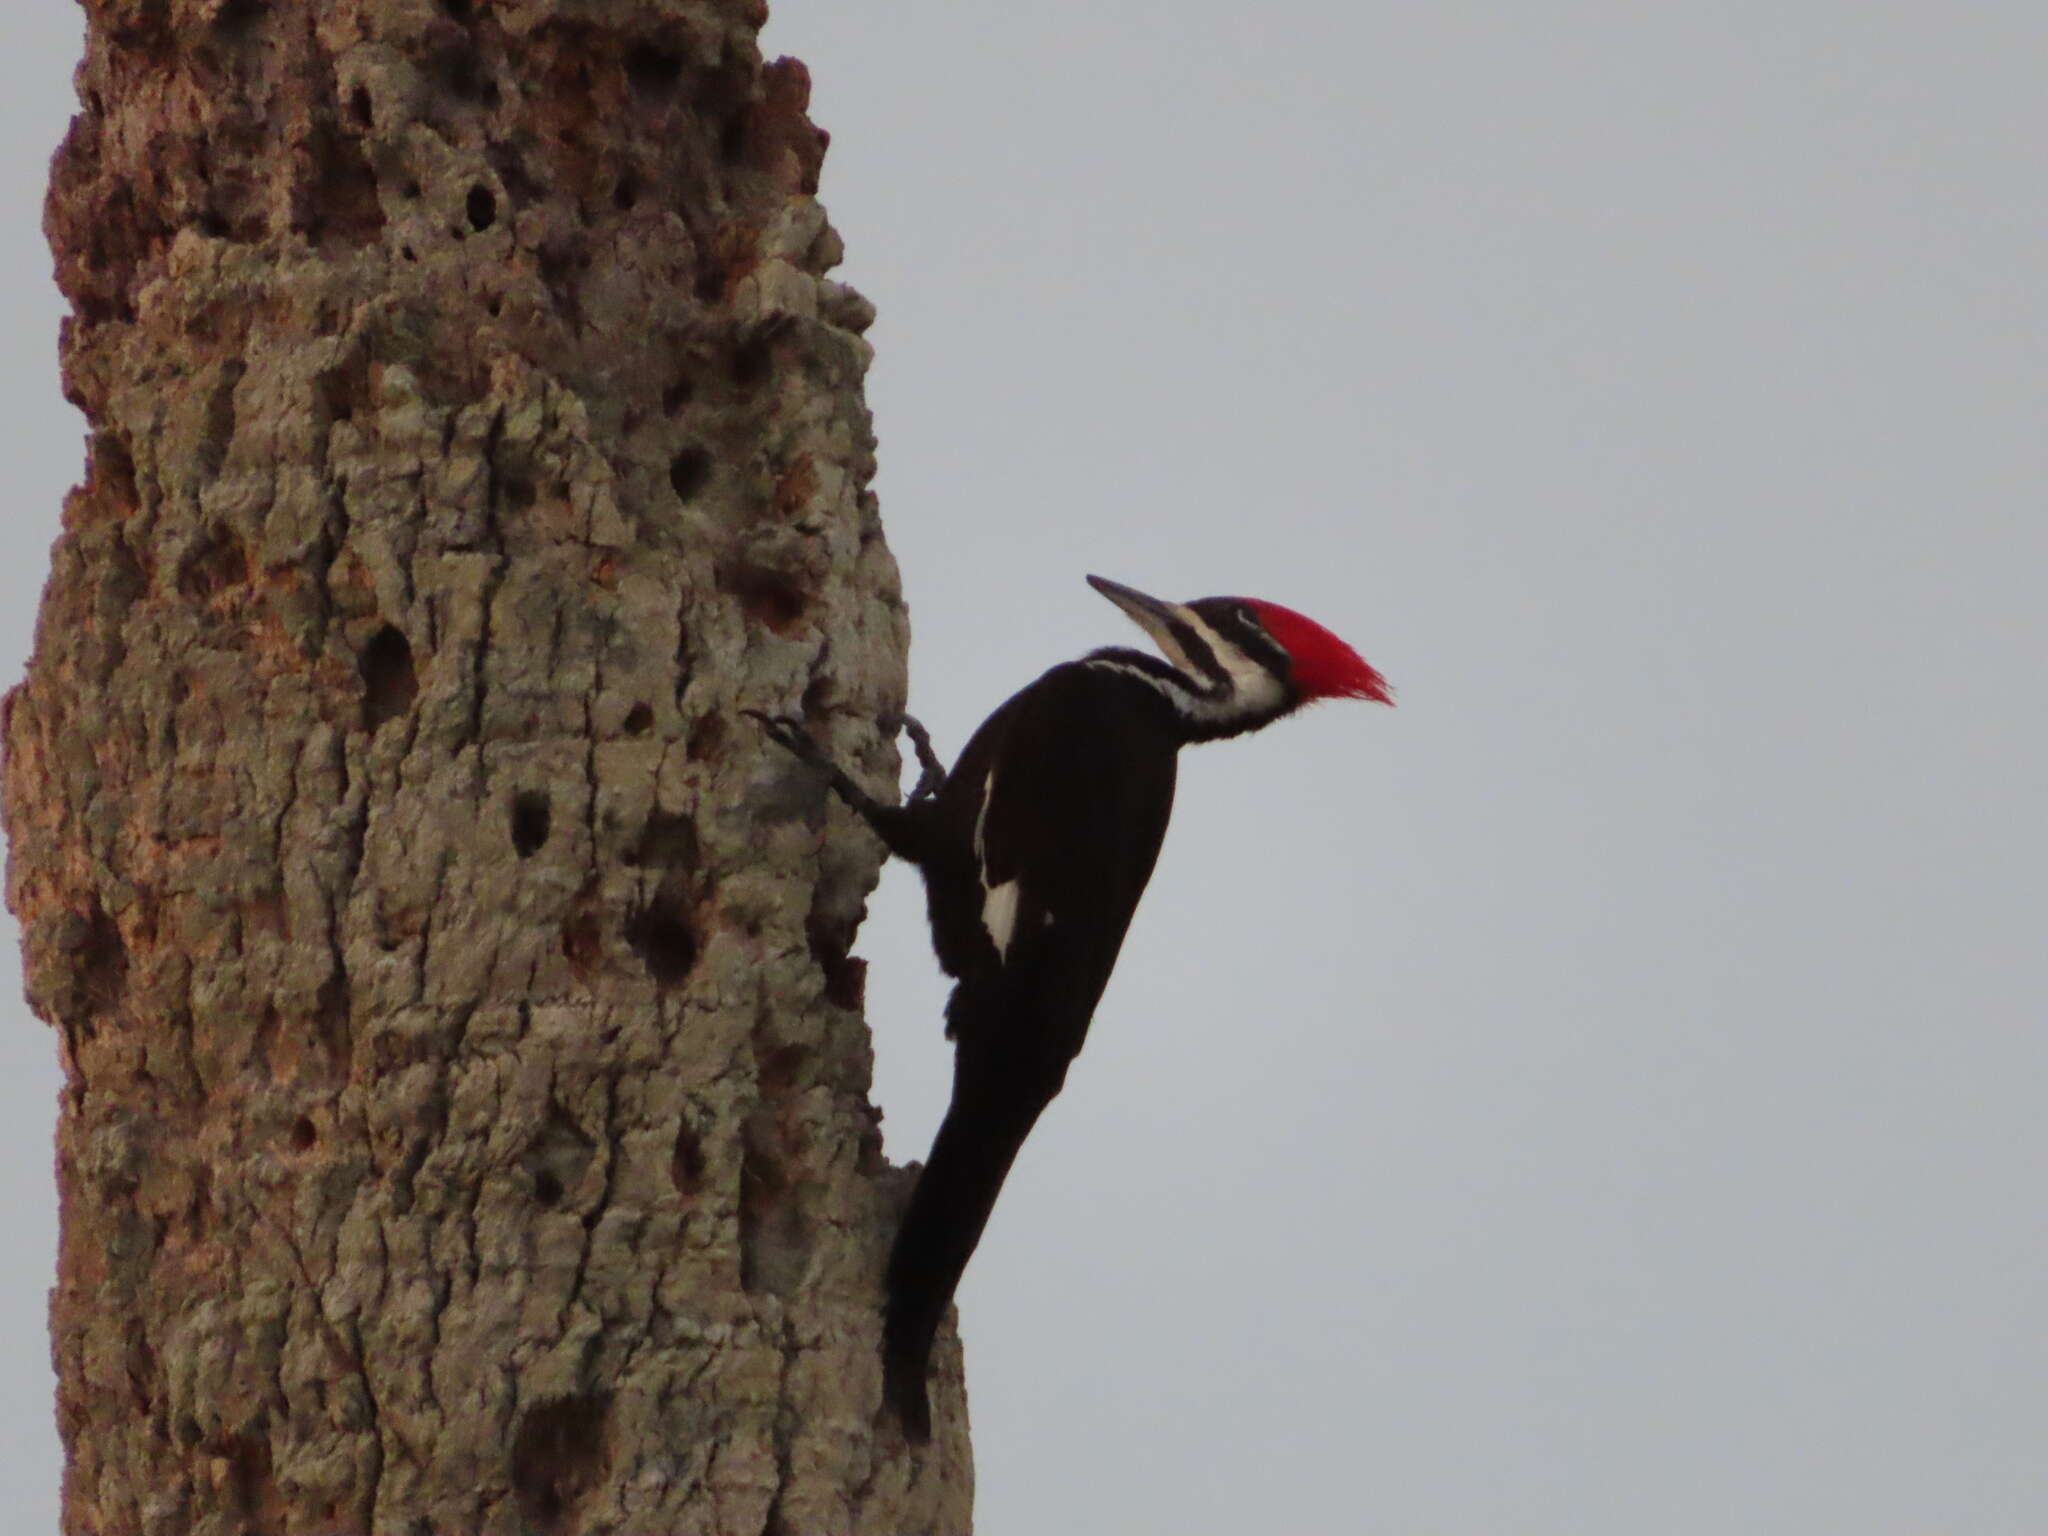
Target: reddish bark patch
{"type": "Point", "coordinates": [768, 598]}
{"type": "Point", "coordinates": [799, 483]}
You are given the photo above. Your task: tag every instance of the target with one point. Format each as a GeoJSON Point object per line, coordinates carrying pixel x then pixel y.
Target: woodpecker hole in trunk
{"type": "Point", "coordinates": [689, 472]}
{"type": "Point", "coordinates": [660, 935]}
{"type": "Point", "coordinates": [766, 597]}
{"type": "Point", "coordinates": [686, 1162]}
{"type": "Point", "coordinates": [389, 682]}
{"type": "Point", "coordinates": [558, 1457]}
{"type": "Point", "coordinates": [653, 72]}
{"type": "Point", "coordinates": [531, 814]}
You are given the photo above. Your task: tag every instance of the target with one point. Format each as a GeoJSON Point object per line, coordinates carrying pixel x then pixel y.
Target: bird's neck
{"type": "Point", "coordinates": [1197, 709]}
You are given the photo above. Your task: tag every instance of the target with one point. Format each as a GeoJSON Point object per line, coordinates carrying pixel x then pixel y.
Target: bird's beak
{"type": "Point", "coordinates": [1156, 618]}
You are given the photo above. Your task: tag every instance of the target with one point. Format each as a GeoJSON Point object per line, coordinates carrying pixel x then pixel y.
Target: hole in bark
{"type": "Point", "coordinates": [710, 284]}
{"type": "Point", "coordinates": [332, 1006]}
{"type": "Point", "coordinates": [460, 70]}
{"type": "Point", "coordinates": [639, 720]}
{"type": "Point", "coordinates": [389, 683]}
{"type": "Point", "coordinates": [359, 107]}
{"type": "Point", "coordinates": [689, 472]}
{"type": "Point", "coordinates": [342, 200]}
{"type": "Point", "coordinates": [482, 207]}
{"type": "Point", "coordinates": [558, 1157]}
{"type": "Point", "coordinates": [406, 252]}
{"type": "Point", "coordinates": [102, 961]}
{"type": "Point", "coordinates": [677, 395]}
{"type": "Point", "coordinates": [660, 935]}
{"type": "Point", "coordinates": [752, 363]}
{"type": "Point", "coordinates": [112, 471]}
{"type": "Point", "coordinates": [304, 1134]}
{"type": "Point", "coordinates": [559, 264]}
{"type": "Point", "coordinates": [706, 737]}
{"type": "Point", "coordinates": [459, 9]}
{"type": "Point", "coordinates": [215, 564]}
{"type": "Point", "coordinates": [732, 138]}
{"type": "Point", "coordinates": [626, 193]}
{"type": "Point", "coordinates": [666, 842]}
{"type": "Point", "coordinates": [531, 813]}
{"type": "Point", "coordinates": [780, 1069]}
{"type": "Point", "coordinates": [558, 1456]}
{"type": "Point", "coordinates": [249, 1470]}
{"type": "Point", "coordinates": [686, 1162]}
{"type": "Point", "coordinates": [582, 943]}
{"type": "Point", "coordinates": [653, 72]}
{"type": "Point", "coordinates": [235, 17]}
{"type": "Point", "coordinates": [345, 389]}
{"type": "Point", "coordinates": [767, 597]}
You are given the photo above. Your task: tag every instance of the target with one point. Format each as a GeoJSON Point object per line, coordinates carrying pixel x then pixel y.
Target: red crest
{"type": "Point", "coordinates": [1324, 666]}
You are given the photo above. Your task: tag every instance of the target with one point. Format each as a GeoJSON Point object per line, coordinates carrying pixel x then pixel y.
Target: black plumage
{"type": "Point", "coordinates": [1034, 851]}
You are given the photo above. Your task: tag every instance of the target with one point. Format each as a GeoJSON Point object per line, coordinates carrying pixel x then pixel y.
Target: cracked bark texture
{"type": "Point", "coordinates": [466, 1123]}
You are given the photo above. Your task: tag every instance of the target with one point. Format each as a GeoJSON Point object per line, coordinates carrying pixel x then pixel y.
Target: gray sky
{"type": "Point", "coordinates": [1604, 1094]}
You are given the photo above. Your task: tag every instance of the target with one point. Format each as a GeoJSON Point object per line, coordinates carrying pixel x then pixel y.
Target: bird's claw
{"type": "Point", "coordinates": [931, 772]}
{"type": "Point", "coordinates": [787, 733]}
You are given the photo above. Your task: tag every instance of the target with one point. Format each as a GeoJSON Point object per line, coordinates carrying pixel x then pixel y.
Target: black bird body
{"type": "Point", "coordinates": [1034, 850]}
{"type": "Point", "coordinates": [1061, 801]}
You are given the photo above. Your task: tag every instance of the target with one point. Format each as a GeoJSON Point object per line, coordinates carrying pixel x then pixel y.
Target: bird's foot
{"type": "Point", "coordinates": [788, 733]}
{"type": "Point", "coordinates": [931, 772]}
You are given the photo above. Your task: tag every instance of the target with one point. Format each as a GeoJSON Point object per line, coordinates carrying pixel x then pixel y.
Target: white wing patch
{"type": "Point", "coordinates": [998, 902]}
{"type": "Point", "coordinates": [999, 915]}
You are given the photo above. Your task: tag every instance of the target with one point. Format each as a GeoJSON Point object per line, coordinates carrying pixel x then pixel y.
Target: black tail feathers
{"type": "Point", "coordinates": [941, 1226]}
{"type": "Point", "coordinates": [905, 1361]}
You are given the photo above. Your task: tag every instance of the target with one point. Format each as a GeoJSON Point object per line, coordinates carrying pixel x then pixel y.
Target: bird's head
{"type": "Point", "coordinates": [1238, 662]}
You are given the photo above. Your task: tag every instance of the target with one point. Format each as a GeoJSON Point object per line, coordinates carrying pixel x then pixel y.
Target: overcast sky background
{"type": "Point", "coordinates": [1606, 1093]}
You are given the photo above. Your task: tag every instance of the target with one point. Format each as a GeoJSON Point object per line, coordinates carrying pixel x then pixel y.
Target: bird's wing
{"type": "Point", "coordinates": [1074, 804]}
{"type": "Point", "coordinates": [1071, 799]}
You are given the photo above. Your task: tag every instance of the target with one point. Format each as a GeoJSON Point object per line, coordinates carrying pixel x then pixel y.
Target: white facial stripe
{"type": "Point", "coordinates": [1252, 688]}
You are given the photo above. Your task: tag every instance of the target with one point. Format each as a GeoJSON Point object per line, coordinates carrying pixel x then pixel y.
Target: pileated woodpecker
{"type": "Point", "coordinates": [1034, 850]}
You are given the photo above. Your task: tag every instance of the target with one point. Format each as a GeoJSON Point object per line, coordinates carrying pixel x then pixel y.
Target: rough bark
{"type": "Point", "coordinates": [466, 1121]}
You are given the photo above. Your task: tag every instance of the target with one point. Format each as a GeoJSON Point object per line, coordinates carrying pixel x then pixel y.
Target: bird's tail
{"type": "Point", "coordinates": [969, 1160]}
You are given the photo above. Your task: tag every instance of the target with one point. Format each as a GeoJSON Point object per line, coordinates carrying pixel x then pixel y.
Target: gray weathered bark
{"type": "Point", "coordinates": [466, 1122]}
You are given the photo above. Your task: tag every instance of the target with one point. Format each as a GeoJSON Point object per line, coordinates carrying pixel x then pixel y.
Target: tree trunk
{"type": "Point", "coordinates": [466, 1121]}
